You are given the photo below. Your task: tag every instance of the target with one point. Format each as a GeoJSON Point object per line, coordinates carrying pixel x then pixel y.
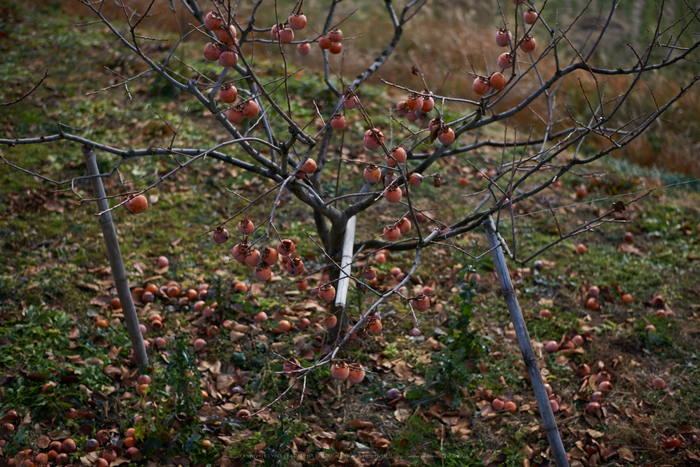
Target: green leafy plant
{"type": "Point", "coordinates": [171, 424]}
{"type": "Point", "coordinates": [448, 371]}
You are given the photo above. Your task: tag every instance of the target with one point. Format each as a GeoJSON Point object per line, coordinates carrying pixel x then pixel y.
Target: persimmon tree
{"type": "Point", "coordinates": [405, 143]}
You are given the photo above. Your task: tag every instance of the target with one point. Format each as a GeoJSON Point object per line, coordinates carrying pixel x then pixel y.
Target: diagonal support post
{"type": "Point", "coordinates": [115, 260]}
{"type": "Point", "coordinates": [516, 316]}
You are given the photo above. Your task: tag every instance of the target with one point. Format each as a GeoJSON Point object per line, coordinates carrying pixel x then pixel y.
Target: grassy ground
{"type": "Point", "coordinates": [54, 291]}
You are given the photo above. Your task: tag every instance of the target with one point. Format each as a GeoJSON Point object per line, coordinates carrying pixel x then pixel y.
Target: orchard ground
{"type": "Point", "coordinates": [55, 293]}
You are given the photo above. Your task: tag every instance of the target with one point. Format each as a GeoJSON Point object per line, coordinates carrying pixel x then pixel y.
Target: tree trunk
{"type": "Point", "coordinates": [335, 251]}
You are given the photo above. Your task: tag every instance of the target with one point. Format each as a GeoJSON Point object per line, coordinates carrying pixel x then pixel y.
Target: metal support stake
{"type": "Point", "coordinates": [115, 261]}
{"type": "Point", "coordinates": [516, 316]}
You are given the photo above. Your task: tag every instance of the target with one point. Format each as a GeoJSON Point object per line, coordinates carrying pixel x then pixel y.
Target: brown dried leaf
{"type": "Point", "coordinates": [402, 415]}
{"type": "Point", "coordinates": [54, 206]}
{"type": "Point", "coordinates": [381, 443]}
{"type": "Point", "coordinates": [102, 299]}
{"type": "Point", "coordinates": [37, 376]}
{"type": "Point", "coordinates": [20, 457]}
{"type": "Point", "coordinates": [242, 377]}
{"type": "Point", "coordinates": [236, 336]}
{"type": "Point", "coordinates": [646, 407]}
{"type": "Point", "coordinates": [140, 267]}
{"type": "Point", "coordinates": [628, 248]}
{"type": "Point", "coordinates": [113, 372]}
{"type": "Point", "coordinates": [434, 133]}
{"type": "Point", "coordinates": [257, 288]}
{"type": "Point", "coordinates": [360, 424]}
{"type": "Point", "coordinates": [399, 462]}
{"type": "Point", "coordinates": [223, 382]}
{"type": "Point", "coordinates": [101, 271]}
{"type": "Point", "coordinates": [321, 442]}
{"type": "Point", "coordinates": [313, 305]}
{"type": "Point", "coordinates": [487, 411]}
{"type": "Point", "coordinates": [577, 453]}
{"type": "Point", "coordinates": [692, 456]}
{"type": "Point", "coordinates": [461, 429]}
{"type": "Point", "coordinates": [241, 327]}
{"type": "Point", "coordinates": [626, 454]}
{"type": "Point", "coordinates": [43, 442]}
{"type": "Point", "coordinates": [570, 352]}
{"type": "Point", "coordinates": [212, 365]}
{"type": "Point", "coordinates": [59, 434]}
{"type": "Point", "coordinates": [561, 360]}
{"type": "Point", "coordinates": [114, 352]}
{"type": "Point", "coordinates": [402, 369]}
{"type": "Point", "coordinates": [433, 344]}
{"type": "Point", "coordinates": [90, 458]}
{"type": "Point", "coordinates": [29, 272]}
{"type": "Point", "coordinates": [181, 461]}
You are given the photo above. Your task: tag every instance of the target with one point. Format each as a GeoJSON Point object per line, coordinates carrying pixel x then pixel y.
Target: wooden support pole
{"type": "Point", "coordinates": [115, 261]}
{"type": "Point", "coordinates": [516, 316]}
